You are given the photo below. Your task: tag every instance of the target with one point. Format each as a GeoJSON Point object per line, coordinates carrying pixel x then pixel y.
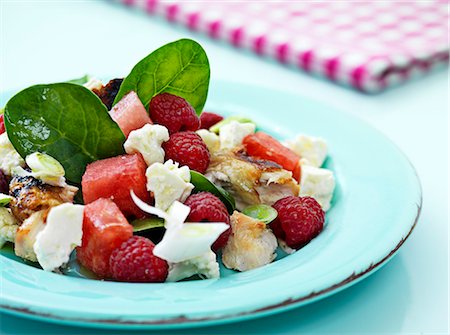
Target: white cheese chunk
{"type": "Point", "coordinates": [9, 157]}
{"type": "Point", "coordinates": [61, 234]}
{"type": "Point", "coordinates": [232, 134]}
{"type": "Point", "coordinates": [312, 150]}
{"type": "Point", "coordinates": [317, 183]}
{"type": "Point", "coordinates": [168, 182]}
{"type": "Point", "coordinates": [8, 226]}
{"type": "Point", "coordinates": [147, 141]}
{"type": "Point", "coordinates": [205, 266]}
{"type": "Point", "coordinates": [211, 139]}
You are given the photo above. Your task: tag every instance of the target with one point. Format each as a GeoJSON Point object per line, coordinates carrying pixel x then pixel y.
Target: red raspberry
{"type": "Point", "coordinates": [4, 186]}
{"type": "Point", "coordinates": [299, 220]}
{"type": "Point", "coordinates": [173, 112]}
{"type": "Point", "coordinates": [207, 120]}
{"type": "Point", "coordinates": [2, 124]}
{"type": "Point", "coordinates": [187, 148]}
{"type": "Point", "coordinates": [134, 261]}
{"type": "Point", "coordinates": [206, 207]}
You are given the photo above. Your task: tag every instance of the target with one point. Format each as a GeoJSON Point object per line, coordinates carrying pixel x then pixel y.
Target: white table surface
{"type": "Point", "coordinates": [45, 41]}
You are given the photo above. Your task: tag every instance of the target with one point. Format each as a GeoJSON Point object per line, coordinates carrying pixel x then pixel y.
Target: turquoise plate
{"type": "Point", "coordinates": [376, 206]}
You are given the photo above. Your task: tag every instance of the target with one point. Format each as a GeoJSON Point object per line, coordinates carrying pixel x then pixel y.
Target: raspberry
{"type": "Point", "coordinates": [207, 120]}
{"type": "Point", "coordinates": [2, 124]}
{"type": "Point", "coordinates": [173, 112]}
{"type": "Point", "coordinates": [299, 220]}
{"type": "Point", "coordinates": [206, 207]}
{"type": "Point", "coordinates": [4, 187]}
{"type": "Point", "coordinates": [134, 261]}
{"type": "Point", "coordinates": [187, 148]}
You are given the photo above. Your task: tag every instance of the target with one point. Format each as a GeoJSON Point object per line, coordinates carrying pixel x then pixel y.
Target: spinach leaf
{"type": "Point", "coordinates": [65, 121]}
{"type": "Point", "coordinates": [80, 81]}
{"type": "Point", "coordinates": [201, 183]}
{"type": "Point", "coordinates": [147, 223]}
{"type": "Point", "coordinates": [180, 68]}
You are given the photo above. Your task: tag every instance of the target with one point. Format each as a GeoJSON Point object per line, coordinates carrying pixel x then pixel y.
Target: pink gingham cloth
{"type": "Point", "coordinates": [369, 45]}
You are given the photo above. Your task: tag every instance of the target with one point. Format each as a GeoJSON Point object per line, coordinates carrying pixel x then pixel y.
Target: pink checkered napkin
{"type": "Point", "coordinates": [369, 45]}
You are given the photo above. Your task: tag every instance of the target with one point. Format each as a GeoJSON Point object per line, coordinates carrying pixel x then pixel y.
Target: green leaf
{"type": "Point", "coordinates": [65, 121]}
{"type": "Point", "coordinates": [220, 124]}
{"type": "Point", "coordinates": [180, 68]}
{"type": "Point", "coordinates": [202, 184]}
{"type": "Point", "coordinates": [261, 212]}
{"type": "Point", "coordinates": [147, 223]}
{"type": "Point", "coordinates": [80, 81]}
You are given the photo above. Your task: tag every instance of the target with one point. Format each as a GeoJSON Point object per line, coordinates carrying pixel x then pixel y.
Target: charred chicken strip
{"type": "Point", "coordinates": [31, 195]}
{"type": "Point", "coordinates": [251, 244]}
{"type": "Point", "coordinates": [250, 180]}
{"type": "Point", "coordinates": [108, 93]}
{"type": "Point", "coordinates": [26, 235]}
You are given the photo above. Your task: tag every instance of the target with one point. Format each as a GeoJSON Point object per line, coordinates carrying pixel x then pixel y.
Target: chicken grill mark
{"type": "Point", "coordinates": [31, 195]}
{"type": "Point", "coordinates": [250, 180]}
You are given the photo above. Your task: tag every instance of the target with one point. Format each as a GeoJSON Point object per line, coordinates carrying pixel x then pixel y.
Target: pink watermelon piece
{"type": "Point", "coordinates": [104, 229]}
{"type": "Point", "coordinates": [130, 114]}
{"type": "Point", "coordinates": [114, 178]}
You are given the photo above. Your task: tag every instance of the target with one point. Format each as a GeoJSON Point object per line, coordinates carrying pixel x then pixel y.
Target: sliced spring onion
{"type": "Point", "coordinates": [44, 164]}
{"type": "Point", "coordinates": [261, 212]}
{"type": "Point", "coordinates": [240, 119]}
{"type": "Point", "coordinates": [4, 199]}
{"type": "Point", "coordinates": [147, 223]}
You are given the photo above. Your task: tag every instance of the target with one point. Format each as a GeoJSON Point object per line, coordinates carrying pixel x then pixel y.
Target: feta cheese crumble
{"type": "Point", "coordinates": [60, 235]}
{"type": "Point", "coordinates": [147, 141]}
{"type": "Point", "coordinates": [317, 183]}
{"type": "Point", "coordinates": [168, 182]}
{"type": "Point", "coordinates": [211, 139]}
{"type": "Point", "coordinates": [9, 157]}
{"type": "Point", "coordinates": [8, 226]}
{"type": "Point", "coordinates": [205, 266]}
{"type": "Point", "coordinates": [232, 134]}
{"type": "Point", "coordinates": [312, 150]}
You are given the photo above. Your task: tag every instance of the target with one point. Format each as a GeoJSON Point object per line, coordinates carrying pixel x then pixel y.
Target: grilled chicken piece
{"type": "Point", "coordinates": [251, 244]}
{"type": "Point", "coordinates": [31, 195]}
{"type": "Point", "coordinates": [26, 235]}
{"type": "Point", "coordinates": [108, 93]}
{"type": "Point", "coordinates": [249, 180]}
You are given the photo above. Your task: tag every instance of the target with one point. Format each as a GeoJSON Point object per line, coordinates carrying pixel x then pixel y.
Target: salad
{"type": "Point", "coordinates": [139, 184]}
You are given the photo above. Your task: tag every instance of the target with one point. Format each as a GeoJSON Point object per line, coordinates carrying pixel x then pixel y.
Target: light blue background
{"type": "Point", "coordinates": [45, 41]}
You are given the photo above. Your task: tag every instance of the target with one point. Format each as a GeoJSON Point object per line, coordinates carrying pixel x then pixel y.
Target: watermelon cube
{"type": "Point", "coordinates": [130, 114]}
{"type": "Point", "coordinates": [114, 178]}
{"type": "Point", "coordinates": [104, 229]}
{"type": "Point", "coordinates": [264, 146]}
